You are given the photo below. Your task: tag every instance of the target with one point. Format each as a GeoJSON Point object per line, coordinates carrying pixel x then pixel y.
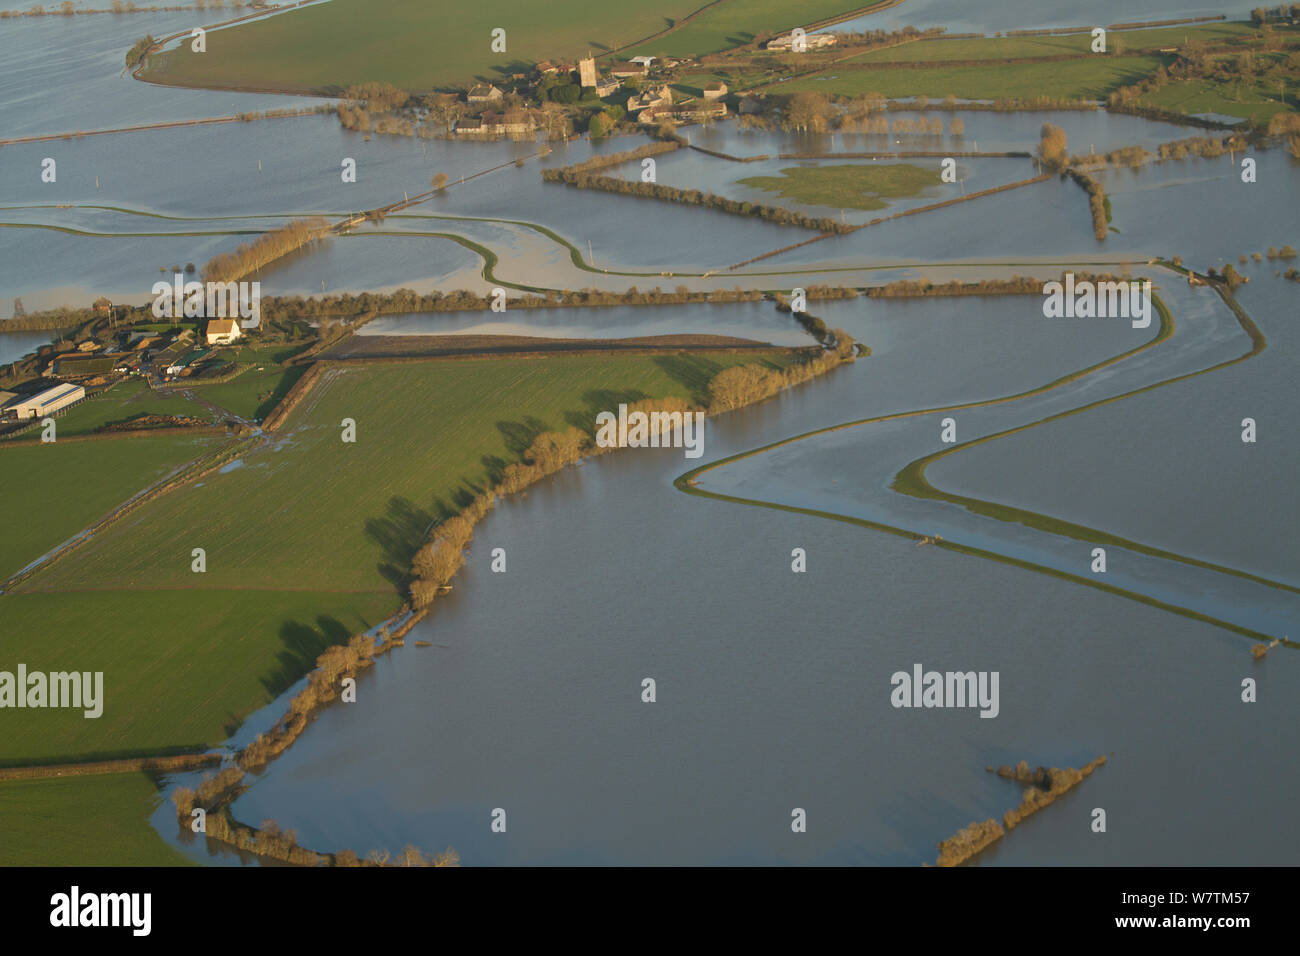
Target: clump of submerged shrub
{"type": "Point", "coordinates": [1098, 204]}
{"type": "Point", "coordinates": [609, 159]}
{"type": "Point", "coordinates": [213, 790]}
{"type": "Point", "coordinates": [1208, 147]}
{"type": "Point", "coordinates": [1043, 786]}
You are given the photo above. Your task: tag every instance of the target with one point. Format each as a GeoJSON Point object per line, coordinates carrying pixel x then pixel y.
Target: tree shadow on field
{"type": "Point", "coordinates": [693, 371]}
{"type": "Point", "coordinates": [520, 435]}
{"type": "Point", "coordinates": [457, 502]}
{"type": "Point", "coordinates": [302, 645]}
{"type": "Point", "coordinates": [509, 69]}
{"type": "Point", "coordinates": [601, 400]}
{"type": "Point", "coordinates": [399, 535]}
{"type": "Point", "coordinates": [495, 465]}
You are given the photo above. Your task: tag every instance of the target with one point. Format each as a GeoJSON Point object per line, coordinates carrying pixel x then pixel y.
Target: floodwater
{"type": "Point", "coordinates": [748, 320]}
{"type": "Point", "coordinates": [14, 345]}
{"type": "Point", "coordinates": [134, 202]}
{"type": "Point", "coordinates": [66, 74]}
{"type": "Point", "coordinates": [802, 474]}
{"type": "Point", "coordinates": [772, 688]}
{"type": "Point", "coordinates": [958, 16]}
{"type": "Point", "coordinates": [1167, 455]}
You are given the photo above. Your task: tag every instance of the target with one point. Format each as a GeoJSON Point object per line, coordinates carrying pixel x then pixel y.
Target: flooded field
{"type": "Point", "coordinates": [773, 687]}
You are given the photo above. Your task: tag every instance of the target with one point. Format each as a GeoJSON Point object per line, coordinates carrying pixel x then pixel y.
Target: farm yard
{"type": "Point", "coordinates": [123, 402]}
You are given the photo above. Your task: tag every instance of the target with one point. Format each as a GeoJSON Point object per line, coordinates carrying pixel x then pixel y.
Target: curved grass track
{"type": "Point", "coordinates": [911, 480]}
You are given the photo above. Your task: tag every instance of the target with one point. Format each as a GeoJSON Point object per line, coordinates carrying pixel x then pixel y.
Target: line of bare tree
{"type": "Point", "coordinates": [251, 256]}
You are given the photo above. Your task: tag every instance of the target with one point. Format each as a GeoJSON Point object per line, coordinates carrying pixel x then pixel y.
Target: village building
{"type": "Point", "coordinates": [607, 86]}
{"type": "Point", "coordinates": [186, 363]}
{"type": "Point", "coordinates": [46, 402]}
{"type": "Point", "coordinates": [81, 366]}
{"type": "Point", "coordinates": [643, 60]}
{"type": "Point", "coordinates": [483, 93]}
{"type": "Point", "coordinates": [222, 332]}
{"type": "Point", "coordinates": [650, 98]}
{"type": "Point", "coordinates": [164, 359]}
{"type": "Point", "coordinates": [813, 41]}
{"type": "Point", "coordinates": [587, 72]}
{"type": "Point", "coordinates": [715, 91]}
{"type": "Point", "coordinates": [492, 123]}
{"type": "Point", "coordinates": [692, 112]}
{"type": "Point", "coordinates": [632, 68]}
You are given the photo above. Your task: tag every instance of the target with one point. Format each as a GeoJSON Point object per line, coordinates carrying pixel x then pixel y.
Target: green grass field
{"type": "Point", "coordinates": [127, 400]}
{"type": "Point", "coordinates": [735, 23]}
{"type": "Point", "coordinates": [252, 394]}
{"type": "Point", "coordinates": [181, 668]}
{"type": "Point", "coordinates": [1070, 79]}
{"type": "Point", "coordinates": [260, 354]}
{"type": "Point", "coordinates": [1230, 99]}
{"type": "Point", "coordinates": [59, 489]}
{"type": "Point", "coordinates": [847, 187]}
{"type": "Point", "coordinates": [314, 512]}
{"type": "Point", "coordinates": [1001, 48]}
{"type": "Point", "coordinates": [99, 820]}
{"type": "Point", "coordinates": [413, 44]}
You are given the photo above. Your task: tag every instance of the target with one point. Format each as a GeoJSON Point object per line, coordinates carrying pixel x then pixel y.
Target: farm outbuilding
{"type": "Point", "coordinates": [47, 402]}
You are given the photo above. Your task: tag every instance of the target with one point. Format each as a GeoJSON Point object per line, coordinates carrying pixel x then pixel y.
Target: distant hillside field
{"type": "Point", "coordinates": [414, 44]}
{"type": "Point", "coordinates": [733, 23]}
{"type": "Point", "coordinates": [422, 46]}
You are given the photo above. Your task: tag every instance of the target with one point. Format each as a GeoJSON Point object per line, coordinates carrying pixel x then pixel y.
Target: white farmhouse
{"type": "Point", "coordinates": [222, 331]}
